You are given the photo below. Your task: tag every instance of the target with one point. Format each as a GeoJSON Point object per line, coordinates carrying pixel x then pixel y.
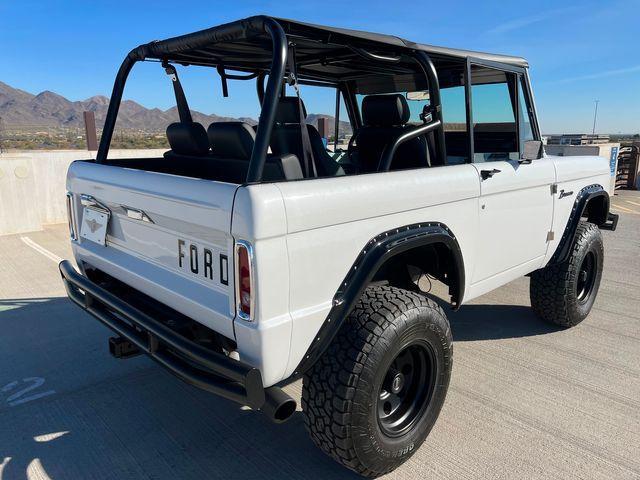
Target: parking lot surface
{"type": "Point", "coordinates": [527, 400]}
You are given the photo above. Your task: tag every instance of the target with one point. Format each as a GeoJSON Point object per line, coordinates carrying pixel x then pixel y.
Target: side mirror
{"type": "Point", "coordinates": [532, 150]}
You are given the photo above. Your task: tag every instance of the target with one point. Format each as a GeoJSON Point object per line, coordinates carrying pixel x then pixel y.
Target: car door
{"type": "Point", "coordinates": [516, 203]}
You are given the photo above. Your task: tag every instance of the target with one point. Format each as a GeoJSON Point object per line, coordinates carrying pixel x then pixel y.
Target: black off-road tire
{"type": "Point", "coordinates": [343, 392]}
{"type": "Point", "coordinates": [557, 291]}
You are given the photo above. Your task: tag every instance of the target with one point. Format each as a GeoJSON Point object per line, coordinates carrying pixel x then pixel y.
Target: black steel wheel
{"type": "Point", "coordinates": [586, 278]}
{"type": "Point", "coordinates": [406, 389]}
{"type": "Point", "coordinates": [373, 397]}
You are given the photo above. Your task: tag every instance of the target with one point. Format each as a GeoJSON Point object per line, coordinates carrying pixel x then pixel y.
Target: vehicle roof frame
{"type": "Point", "coordinates": [281, 31]}
{"type": "Point", "coordinates": [228, 32]}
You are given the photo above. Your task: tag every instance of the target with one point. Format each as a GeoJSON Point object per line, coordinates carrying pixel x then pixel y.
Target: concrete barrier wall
{"type": "Point", "coordinates": [32, 183]}
{"type": "Point", "coordinates": [32, 186]}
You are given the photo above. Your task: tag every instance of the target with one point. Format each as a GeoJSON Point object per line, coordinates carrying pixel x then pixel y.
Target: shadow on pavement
{"type": "Point", "coordinates": [493, 322]}
{"type": "Point", "coordinates": [75, 442]}
{"type": "Point", "coordinates": [111, 418]}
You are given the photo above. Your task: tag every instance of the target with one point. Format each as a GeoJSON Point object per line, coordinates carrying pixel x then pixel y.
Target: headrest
{"type": "Point", "coordinates": [231, 139]}
{"type": "Point", "coordinates": [188, 138]}
{"type": "Point", "coordinates": [289, 111]}
{"type": "Point", "coordinates": [385, 110]}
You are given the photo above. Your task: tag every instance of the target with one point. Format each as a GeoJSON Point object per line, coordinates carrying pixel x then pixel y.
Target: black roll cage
{"type": "Point", "coordinates": [228, 32]}
{"type": "Point", "coordinates": [178, 50]}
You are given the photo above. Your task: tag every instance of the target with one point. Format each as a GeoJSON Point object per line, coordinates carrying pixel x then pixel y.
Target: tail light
{"type": "Point", "coordinates": [244, 280]}
{"type": "Point", "coordinates": [71, 217]}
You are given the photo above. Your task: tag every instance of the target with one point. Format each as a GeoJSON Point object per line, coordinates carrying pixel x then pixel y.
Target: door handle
{"type": "Point", "coordinates": [488, 173]}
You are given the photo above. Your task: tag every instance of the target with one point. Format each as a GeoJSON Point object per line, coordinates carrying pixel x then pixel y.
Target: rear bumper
{"type": "Point", "coordinates": [194, 364]}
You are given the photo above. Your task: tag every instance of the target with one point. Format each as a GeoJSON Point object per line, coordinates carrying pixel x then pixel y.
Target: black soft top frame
{"type": "Point", "coordinates": [259, 45]}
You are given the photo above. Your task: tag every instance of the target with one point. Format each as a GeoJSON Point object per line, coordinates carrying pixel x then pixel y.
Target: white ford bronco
{"type": "Point", "coordinates": [247, 257]}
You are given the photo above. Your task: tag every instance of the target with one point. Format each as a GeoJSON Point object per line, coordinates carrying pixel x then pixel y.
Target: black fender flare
{"type": "Point", "coordinates": [586, 195]}
{"type": "Point", "coordinates": [375, 253]}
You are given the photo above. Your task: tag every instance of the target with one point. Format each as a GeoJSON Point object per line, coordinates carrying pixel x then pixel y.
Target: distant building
{"type": "Point", "coordinates": [577, 139]}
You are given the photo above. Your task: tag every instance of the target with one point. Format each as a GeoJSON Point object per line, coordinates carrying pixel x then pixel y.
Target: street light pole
{"type": "Point", "coordinates": [595, 115]}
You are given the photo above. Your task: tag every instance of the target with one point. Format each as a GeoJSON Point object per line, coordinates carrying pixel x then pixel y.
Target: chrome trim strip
{"type": "Point", "coordinates": [71, 218]}
{"type": "Point", "coordinates": [239, 313]}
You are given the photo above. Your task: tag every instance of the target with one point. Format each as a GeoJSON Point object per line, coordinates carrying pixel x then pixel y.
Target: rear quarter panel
{"type": "Point", "coordinates": [329, 221]}
{"type": "Point", "coordinates": [259, 218]}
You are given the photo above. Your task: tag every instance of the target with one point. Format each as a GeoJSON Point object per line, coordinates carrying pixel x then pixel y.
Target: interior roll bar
{"type": "Point", "coordinates": [269, 95]}
{"type": "Point", "coordinates": [374, 56]}
{"type": "Point", "coordinates": [270, 100]}
{"type": "Point", "coordinates": [436, 103]}
{"type": "Point", "coordinates": [390, 150]}
{"type": "Point", "coordinates": [224, 76]}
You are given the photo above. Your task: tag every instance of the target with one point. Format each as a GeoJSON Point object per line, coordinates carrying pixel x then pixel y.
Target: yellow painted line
{"type": "Point", "coordinates": [633, 203]}
{"type": "Point", "coordinates": [624, 209]}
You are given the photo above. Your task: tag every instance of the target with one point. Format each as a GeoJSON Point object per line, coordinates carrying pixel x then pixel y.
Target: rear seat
{"type": "Point", "coordinates": [189, 150]}
{"type": "Point", "coordinates": [187, 140]}
{"type": "Point", "coordinates": [232, 140]}
{"type": "Point", "coordinates": [231, 146]}
{"type": "Point", "coordinates": [287, 137]}
{"type": "Point", "coordinates": [228, 158]}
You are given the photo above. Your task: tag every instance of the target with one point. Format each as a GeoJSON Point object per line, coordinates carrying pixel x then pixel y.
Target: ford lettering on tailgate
{"type": "Point", "coordinates": [201, 261]}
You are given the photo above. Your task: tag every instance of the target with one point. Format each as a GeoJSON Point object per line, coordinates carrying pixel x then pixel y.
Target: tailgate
{"type": "Point", "coordinates": [167, 236]}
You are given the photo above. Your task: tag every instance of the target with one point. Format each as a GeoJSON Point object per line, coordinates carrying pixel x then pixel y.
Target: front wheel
{"type": "Point", "coordinates": [373, 397]}
{"type": "Point", "coordinates": [564, 293]}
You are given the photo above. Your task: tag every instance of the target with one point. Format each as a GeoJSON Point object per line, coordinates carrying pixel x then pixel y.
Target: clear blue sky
{"type": "Point", "coordinates": [579, 51]}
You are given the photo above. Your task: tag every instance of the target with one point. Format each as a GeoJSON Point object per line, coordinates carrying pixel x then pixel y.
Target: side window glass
{"type": "Point", "coordinates": [454, 115]}
{"type": "Point", "coordinates": [494, 124]}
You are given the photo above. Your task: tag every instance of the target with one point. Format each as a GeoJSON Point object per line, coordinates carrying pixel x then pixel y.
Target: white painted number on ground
{"type": "Point", "coordinates": [24, 387]}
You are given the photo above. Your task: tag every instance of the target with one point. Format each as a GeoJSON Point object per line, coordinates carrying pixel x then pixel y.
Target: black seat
{"type": "Point", "coordinates": [384, 119]}
{"type": "Point", "coordinates": [227, 161]}
{"type": "Point", "coordinates": [189, 150]}
{"type": "Point", "coordinates": [232, 144]}
{"type": "Point", "coordinates": [286, 138]}
{"type": "Point", "coordinates": [187, 139]}
{"type": "Point", "coordinates": [231, 139]}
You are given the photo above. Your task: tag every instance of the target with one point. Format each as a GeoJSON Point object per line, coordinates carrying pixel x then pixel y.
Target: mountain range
{"type": "Point", "coordinates": [20, 109]}
{"type": "Point", "coordinates": [48, 109]}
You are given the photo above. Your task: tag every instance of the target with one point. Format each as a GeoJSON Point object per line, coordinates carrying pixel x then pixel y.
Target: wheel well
{"type": "Point", "coordinates": [591, 204]}
{"type": "Point", "coordinates": [435, 259]}
{"type": "Point", "coordinates": [597, 209]}
{"type": "Point", "coordinates": [429, 246]}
